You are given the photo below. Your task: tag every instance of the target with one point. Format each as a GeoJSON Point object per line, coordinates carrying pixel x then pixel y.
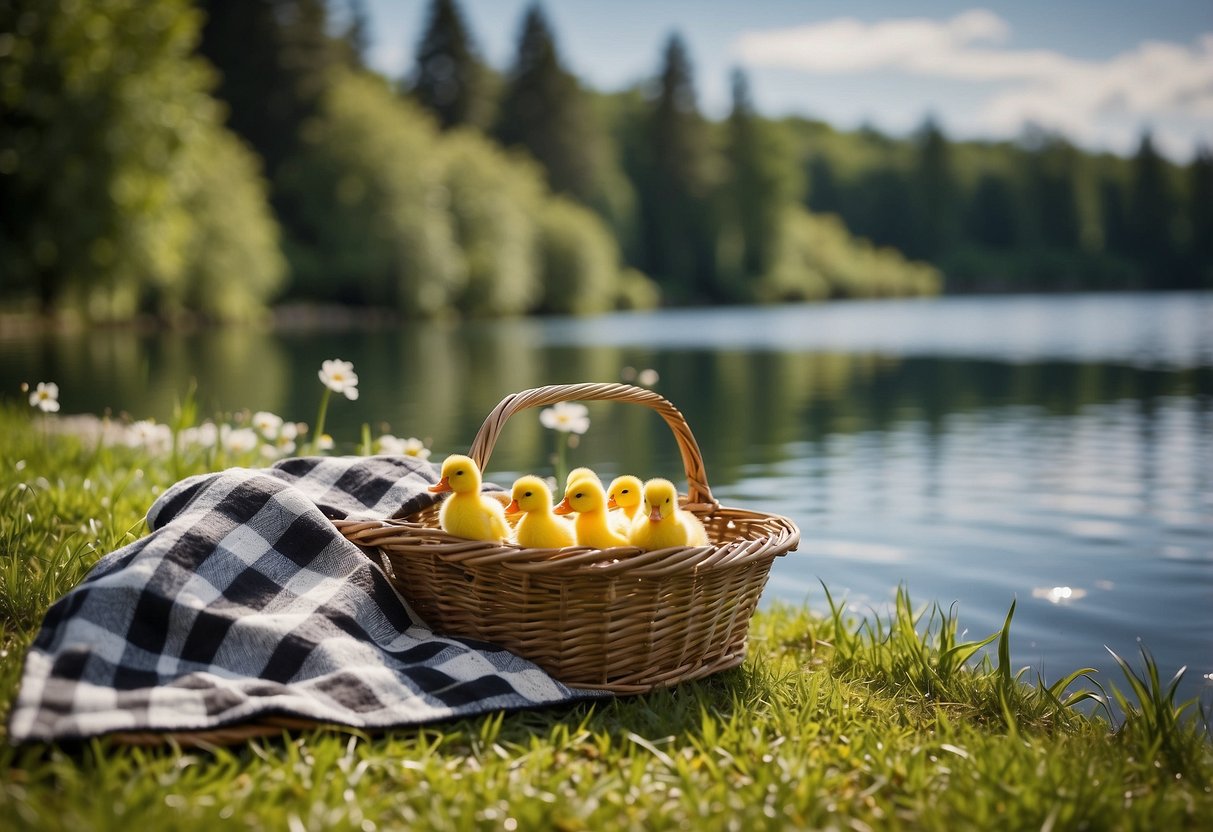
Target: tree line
{"type": "Point", "coordinates": [1032, 214]}
{"type": "Point", "coordinates": [213, 157]}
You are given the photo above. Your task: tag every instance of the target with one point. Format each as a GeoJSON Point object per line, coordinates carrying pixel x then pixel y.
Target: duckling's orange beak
{"type": "Point", "coordinates": [513, 507]}
{"type": "Point", "coordinates": [442, 485]}
{"type": "Point", "coordinates": [655, 514]}
{"type": "Point", "coordinates": [611, 503]}
{"type": "Point", "coordinates": [563, 507]}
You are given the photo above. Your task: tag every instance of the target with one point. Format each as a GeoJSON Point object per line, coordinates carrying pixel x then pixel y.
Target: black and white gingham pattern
{"type": "Point", "coordinates": [245, 602]}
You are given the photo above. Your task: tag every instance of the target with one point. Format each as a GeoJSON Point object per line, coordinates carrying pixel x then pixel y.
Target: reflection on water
{"type": "Point", "coordinates": [1072, 513]}
{"type": "Point", "coordinates": [1054, 450]}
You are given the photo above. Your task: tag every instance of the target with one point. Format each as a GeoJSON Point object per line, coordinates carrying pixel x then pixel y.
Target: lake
{"type": "Point", "coordinates": [1053, 450]}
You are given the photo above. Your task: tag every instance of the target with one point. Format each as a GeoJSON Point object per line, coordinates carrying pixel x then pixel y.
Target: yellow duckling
{"type": "Point", "coordinates": [580, 474]}
{"type": "Point", "coordinates": [539, 528]}
{"type": "Point", "coordinates": [663, 524]}
{"type": "Point", "coordinates": [467, 512]}
{"type": "Point", "coordinates": [625, 493]}
{"type": "Point", "coordinates": [588, 499]}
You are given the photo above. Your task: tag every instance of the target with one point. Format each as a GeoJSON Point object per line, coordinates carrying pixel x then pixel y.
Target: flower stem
{"type": "Point", "coordinates": [562, 465]}
{"type": "Point", "coordinates": [324, 409]}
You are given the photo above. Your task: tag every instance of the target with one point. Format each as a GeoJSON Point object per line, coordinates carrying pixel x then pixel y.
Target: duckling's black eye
{"type": "Point", "coordinates": [459, 473]}
{"type": "Point", "coordinates": [625, 491]}
{"type": "Point", "coordinates": [667, 499]}
{"type": "Point", "coordinates": [527, 494]}
{"type": "Point", "coordinates": [578, 495]}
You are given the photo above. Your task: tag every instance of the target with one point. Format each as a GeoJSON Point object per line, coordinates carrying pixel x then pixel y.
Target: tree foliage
{"type": "Point", "coordinates": [1035, 214]}
{"type": "Point", "coordinates": [993, 218]}
{"type": "Point", "coordinates": [274, 59]}
{"type": "Point", "coordinates": [1152, 208]}
{"type": "Point", "coordinates": [110, 148]}
{"type": "Point", "coordinates": [232, 257]}
{"type": "Point", "coordinates": [123, 191]}
{"type": "Point", "coordinates": [373, 225]}
{"type": "Point", "coordinates": [761, 184]}
{"type": "Point", "coordinates": [674, 175]}
{"type": "Point", "coordinates": [818, 258]}
{"type": "Point", "coordinates": [579, 262]}
{"type": "Point", "coordinates": [450, 80]}
{"type": "Point", "coordinates": [1200, 219]}
{"type": "Point", "coordinates": [1052, 190]}
{"type": "Point", "coordinates": [937, 206]}
{"type": "Point", "coordinates": [494, 201]}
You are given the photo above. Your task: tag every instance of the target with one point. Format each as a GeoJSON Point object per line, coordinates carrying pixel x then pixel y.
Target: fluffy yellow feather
{"type": "Point", "coordinates": [625, 494]}
{"type": "Point", "coordinates": [539, 527]}
{"type": "Point", "coordinates": [588, 499]}
{"type": "Point", "coordinates": [467, 512]}
{"type": "Point", "coordinates": [662, 523]}
{"type": "Point", "coordinates": [580, 474]}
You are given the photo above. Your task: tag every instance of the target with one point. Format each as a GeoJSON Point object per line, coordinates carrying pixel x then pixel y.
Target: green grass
{"type": "Point", "coordinates": [831, 722]}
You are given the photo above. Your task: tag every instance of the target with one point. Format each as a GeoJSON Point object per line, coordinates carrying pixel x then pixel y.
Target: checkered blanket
{"type": "Point", "coordinates": [245, 604]}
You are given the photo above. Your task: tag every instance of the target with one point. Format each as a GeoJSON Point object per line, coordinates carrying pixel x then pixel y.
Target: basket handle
{"type": "Point", "coordinates": [698, 491]}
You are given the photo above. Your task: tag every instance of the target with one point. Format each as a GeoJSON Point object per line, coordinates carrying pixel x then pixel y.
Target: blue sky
{"type": "Point", "coordinates": [1098, 71]}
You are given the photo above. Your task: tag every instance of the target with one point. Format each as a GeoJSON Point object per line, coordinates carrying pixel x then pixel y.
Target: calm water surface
{"type": "Point", "coordinates": [1056, 451]}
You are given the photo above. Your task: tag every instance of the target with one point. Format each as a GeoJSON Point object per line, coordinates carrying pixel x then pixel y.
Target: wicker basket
{"type": "Point", "coordinates": [617, 619]}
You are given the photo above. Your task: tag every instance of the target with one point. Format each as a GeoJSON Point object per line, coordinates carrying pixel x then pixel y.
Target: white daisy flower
{"type": "Point", "coordinates": [339, 376]}
{"type": "Point", "coordinates": [152, 437]}
{"type": "Point", "coordinates": [267, 424]}
{"type": "Point", "coordinates": [45, 397]}
{"type": "Point", "coordinates": [390, 445]}
{"type": "Point", "coordinates": [567, 417]}
{"type": "Point", "coordinates": [239, 440]}
{"type": "Point", "coordinates": [415, 447]}
{"type": "Point", "coordinates": [204, 436]}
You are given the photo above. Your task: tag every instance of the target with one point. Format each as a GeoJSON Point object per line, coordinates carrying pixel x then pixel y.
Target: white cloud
{"type": "Point", "coordinates": [1153, 82]}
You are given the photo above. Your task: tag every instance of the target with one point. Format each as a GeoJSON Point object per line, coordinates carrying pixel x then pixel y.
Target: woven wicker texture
{"type": "Point", "coordinates": [618, 619]}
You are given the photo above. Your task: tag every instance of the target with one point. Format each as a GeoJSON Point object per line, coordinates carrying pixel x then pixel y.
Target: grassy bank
{"type": "Point", "coordinates": [830, 723]}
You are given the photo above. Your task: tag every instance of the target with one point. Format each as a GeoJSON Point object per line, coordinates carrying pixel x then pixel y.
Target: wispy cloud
{"type": "Point", "coordinates": [1154, 81]}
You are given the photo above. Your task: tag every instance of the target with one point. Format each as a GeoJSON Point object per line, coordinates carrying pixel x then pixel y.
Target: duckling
{"type": "Point", "coordinates": [504, 498]}
{"type": "Point", "coordinates": [538, 528]}
{"type": "Point", "coordinates": [588, 499]}
{"type": "Point", "coordinates": [663, 524]}
{"type": "Point", "coordinates": [580, 474]}
{"type": "Point", "coordinates": [626, 493]}
{"type": "Point", "coordinates": [467, 512]}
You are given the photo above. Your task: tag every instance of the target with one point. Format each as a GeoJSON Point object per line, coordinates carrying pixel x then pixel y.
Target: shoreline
{"type": "Point", "coordinates": [299, 316]}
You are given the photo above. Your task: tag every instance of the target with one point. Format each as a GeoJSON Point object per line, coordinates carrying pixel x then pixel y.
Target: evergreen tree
{"type": "Point", "coordinates": [1152, 211]}
{"type": "Point", "coordinates": [1113, 215]}
{"type": "Point", "coordinates": [450, 79]}
{"type": "Point", "coordinates": [936, 195]}
{"type": "Point", "coordinates": [1052, 190]}
{"type": "Point", "coordinates": [357, 37]}
{"type": "Point", "coordinates": [823, 194]}
{"type": "Point", "coordinates": [544, 110]}
{"type": "Point", "coordinates": [993, 216]}
{"type": "Point", "coordinates": [675, 185]}
{"type": "Point", "coordinates": [761, 186]}
{"type": "Point", "coordinates": [1200, 218]}
{"type": "Point", "coordinates": [885, 210]}
{"type": "Point", "coordinates": [274, 58]}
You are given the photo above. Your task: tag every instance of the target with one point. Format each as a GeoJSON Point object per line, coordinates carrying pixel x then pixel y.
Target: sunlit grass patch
{"type": "Point", "coordinates": [832, 722]}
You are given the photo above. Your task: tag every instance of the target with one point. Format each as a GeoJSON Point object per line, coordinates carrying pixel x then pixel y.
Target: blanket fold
{"type": "Point", "coordinates": [244, 603]}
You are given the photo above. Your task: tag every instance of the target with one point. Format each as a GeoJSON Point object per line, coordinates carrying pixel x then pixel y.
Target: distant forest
{"type": "Point", "coordinates": [211, 159]}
